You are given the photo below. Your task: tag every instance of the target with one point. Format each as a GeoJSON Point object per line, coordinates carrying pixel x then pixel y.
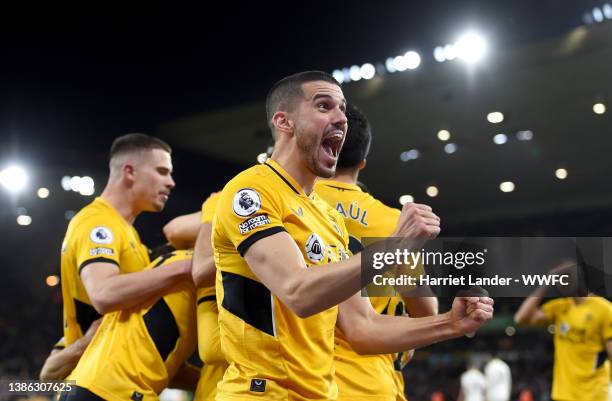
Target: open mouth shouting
{"type": "Point", "coordinates": [331, 144]}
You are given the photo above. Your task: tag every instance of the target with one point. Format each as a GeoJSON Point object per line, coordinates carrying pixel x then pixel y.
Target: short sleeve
{"type": "Point", "coordinates": [97, 240]}
{"type": "Point", "coordinates": [248, 212]}
{"type": "Point", "coordinates": [209, 207]}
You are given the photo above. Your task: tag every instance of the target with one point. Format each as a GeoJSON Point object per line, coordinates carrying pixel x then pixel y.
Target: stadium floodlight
{"type": "Point", "coordinates": [24, 220]}
{"type": "Point", "coordinates": [598, 15]}
{"type": "Point", "coordinates": [355, 73]}
{"type": "Point", "coordinates": [405, 199]}
{"type": "Point", "coordinates": [262, 157]}
{"type": "Point", "coordinates": [561, 173]}
{"type": "Point", "coordinates": [75, 183]}
{"type": "Point", "coordinates": [471, 47]}
{"type": "Point", "coordinates": [495, 117]}
{"type": "Point", "coordinates": [13, 178]}
{"type": "Point", "coordinates": [439, 54]}
{"type": "Point", "coordinates": [526, 135]}
{"type": "Point", "coordinates": [52, 281]}
{"type": "Point", "coordinates": [368, 71]}
{"type": "Point", "coordinates": [506, 186]}
{"type": "Point", "coordinates": [390, 65]}
{"type": "Point", "coordinates": [432, 191]}
{"type": "Point", "coordinates": [607, 10]}
{"type": "Point", "coordinates": [411, 154]}
{"type": "Point", "coordinates": [412, 60]}
{"type": "Point", "coordinates": [450, 148]}
{"type": "Point", "coordinates": [43, 193]}
{"type": "Point", "coordinates": [87, 186]}
{"type": "Point", "coordinates": [338, 76]}
{"type": "Point", "coordinates": [500, 139]}
{"type": "Point", "coordinates": [450, 52]}
{"type": "Point", "coordinates": [400, 63]}
{"type": "Point", "coordinates": [347, 74]}
{"type": "Point", "coordinates": [599, 108]}
{"type": "Point", "coordinates": [444, 135]}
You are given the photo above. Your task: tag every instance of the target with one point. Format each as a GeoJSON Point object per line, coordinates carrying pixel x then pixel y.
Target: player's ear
{"type": "Point", "coordinates": [362, 164]}
{"type": "Point", "coordinates": [282, 122]}
{"type": "Point", "coordinates": [129, 172]}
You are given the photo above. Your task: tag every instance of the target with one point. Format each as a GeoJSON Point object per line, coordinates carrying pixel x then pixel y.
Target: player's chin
{"type": "Point", "coordinates": [326, 170]}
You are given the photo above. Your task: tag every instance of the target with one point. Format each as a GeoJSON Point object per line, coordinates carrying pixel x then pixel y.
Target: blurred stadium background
{"type": "Point", "coordinates": [493, 112]}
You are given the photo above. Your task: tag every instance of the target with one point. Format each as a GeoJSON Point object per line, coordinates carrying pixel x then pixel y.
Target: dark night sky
{"type": "Point", "coordinates": [72, 73]}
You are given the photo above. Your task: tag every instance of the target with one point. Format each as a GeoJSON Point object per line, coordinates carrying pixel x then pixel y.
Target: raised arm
{"type": "Point", "coordinates": [203, 271]}
{"type": "Point", "coordinates": [109, 290]}
{"type": "Point", "coordinates": [373, 333]}
{"type": "Point", "coordinates": [182, 231]}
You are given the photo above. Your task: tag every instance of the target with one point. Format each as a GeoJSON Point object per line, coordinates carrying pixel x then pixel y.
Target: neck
{"type": "Point", "coordinates": [296, 169]}
{"type": "Point", "coordinates": [121, 200]}
{"type": "Point", "coordinates": [347, 175]}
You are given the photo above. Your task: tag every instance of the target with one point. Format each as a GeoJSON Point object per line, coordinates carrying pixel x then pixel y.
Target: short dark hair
{"type": "Point", "coordinates": [358, 138]}
{"type": "Point", "coordinates": [129, 143]}
{"type": "Point", "coordinates": [286, 92]}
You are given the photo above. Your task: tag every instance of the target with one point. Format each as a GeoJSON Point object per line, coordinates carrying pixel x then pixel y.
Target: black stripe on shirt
{"type": "Point", "coordinates": [96, 260]}
{"type": "Point", "coordinates": [283, 178]}
{"type": "Point", "coordinates": [249, 300]}
{"type": "Point", "coordinates": [246, 244]}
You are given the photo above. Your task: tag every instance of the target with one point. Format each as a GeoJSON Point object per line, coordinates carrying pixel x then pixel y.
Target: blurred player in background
{"type": "Point", "coordinates": [583, 336]}
{"type": "Point", "coordinates": [137, 351]}
{"type": "Point", "coordinates": [473, 384]}
{"type": "Point", "coordinates": [101, 243]}
{"type": "Point", "coordinates": [193, 231]}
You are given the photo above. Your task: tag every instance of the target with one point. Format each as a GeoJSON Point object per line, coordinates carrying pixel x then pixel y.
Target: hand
{"type": "Point", "coordinates": [93, 327]}
{"type": "Point", "coordinates": [468, 314]}
{"type": "Point", "coordinates": [417, 221]}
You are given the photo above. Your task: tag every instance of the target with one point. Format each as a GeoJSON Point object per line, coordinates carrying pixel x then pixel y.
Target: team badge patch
{"type": "Point", "coordinates": [315, 248]}
{"type": "Point", "coordinates": [246, 202]}
{"type": "Point", "coordinates": [101, 235]}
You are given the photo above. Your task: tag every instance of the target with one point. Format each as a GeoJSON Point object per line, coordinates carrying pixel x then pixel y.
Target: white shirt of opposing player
{"type": "Point", "coordinates": [473, 384]}
{"type": "Point", "coordinates": [499, 380]}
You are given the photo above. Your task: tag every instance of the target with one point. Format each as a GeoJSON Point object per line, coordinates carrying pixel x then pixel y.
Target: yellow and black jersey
{"type": "Point", "coordinates": [136, 351]}
{"type": "Point", "coordinates": [581, 368]}
{"type": "Point", "coordinates": [371, 377]}
{"type": "Point", "coordinates": [209, 345]}
{"type": "Point", "coordinates": [98, 233]}
{"type": "Point", "coordinates": [272, 353]}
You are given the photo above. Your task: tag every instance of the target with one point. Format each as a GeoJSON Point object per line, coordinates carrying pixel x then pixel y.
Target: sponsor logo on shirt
{"type": "Point", "coordinates": [101, 251]}
{"type": "Point", "coordinates": [253, 223]}
{"type": "Point", "coordinates": [315, 248]}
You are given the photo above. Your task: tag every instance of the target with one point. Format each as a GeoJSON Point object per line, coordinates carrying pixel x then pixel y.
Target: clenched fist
{"type": "Point", "coordinates": [469, 313]}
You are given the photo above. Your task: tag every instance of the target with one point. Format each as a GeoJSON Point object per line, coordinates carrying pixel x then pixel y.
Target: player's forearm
{"type": "Point", "coordinates": [530, 306]}
{"type": "Point", "coordinates": [124, 291]}
{"type": "Point", "coordinates": [203, 271]}
{"type": "Point", "coordinates": [319, 288]}
{"type": "Point", "coordinates": [381, 334]}
{"type": "Point", "coordinates": [60, 363]}
{"type": "Point", "coordinates": [421, 306]}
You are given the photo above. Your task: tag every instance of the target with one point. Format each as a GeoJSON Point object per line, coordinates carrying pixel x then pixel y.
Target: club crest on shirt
{"type": "Point", "coordinates": [315, 248]}
{"type": "Point", "coordinates": [564, 328]}
{"type": "Point", "coordinates": [101, 235]}
{"type": "Point", "coordinates": [246, 202]}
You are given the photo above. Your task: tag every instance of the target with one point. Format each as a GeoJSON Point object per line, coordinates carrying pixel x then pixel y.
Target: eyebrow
{"type": "Point", "coordinates": [326, 96]}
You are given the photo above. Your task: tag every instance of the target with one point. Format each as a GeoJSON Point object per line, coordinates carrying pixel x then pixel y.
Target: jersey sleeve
{"type": "Point", "coordinates": [97, 240]}
{"type": "Point", "coordinates": [248, 212]}
{"type": "Point", "coordinates": [209, 207]}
